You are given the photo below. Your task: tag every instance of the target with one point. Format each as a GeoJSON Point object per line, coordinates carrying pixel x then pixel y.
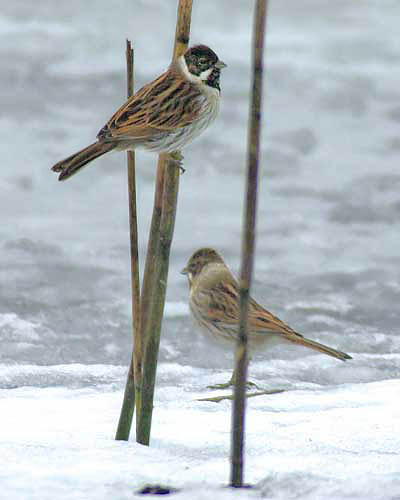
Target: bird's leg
{"type": "Point", "coordinates": [176, 155]}
{"type": "Point", "coordinates": [176, 158]}
{"type": "Point", "coordinates": [232, 381]}
{"type": "Point", "coordinates": [226, 385]}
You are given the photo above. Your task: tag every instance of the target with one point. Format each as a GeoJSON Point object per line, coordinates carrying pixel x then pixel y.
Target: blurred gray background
{"type": "Point", "coordinates": [327, 259]}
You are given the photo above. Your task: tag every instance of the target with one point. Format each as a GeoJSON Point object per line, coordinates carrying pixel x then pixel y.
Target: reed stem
{"type": "Point", "coordinates": [248, 243]}
{"type": "Point", "coordinates": [157, 259]}
{"type": "Point", "coordinates": [133, 383]}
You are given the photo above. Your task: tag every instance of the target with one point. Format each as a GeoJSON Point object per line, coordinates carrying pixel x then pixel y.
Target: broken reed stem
{"type": "Point", "coordinates": [230, 397]}
{"type": "Point", "coordinates": [132, 388]}
{"type": "Point", "coordinates": [157, 259]}
{"type": "Point", "coordinates": [248, 239]}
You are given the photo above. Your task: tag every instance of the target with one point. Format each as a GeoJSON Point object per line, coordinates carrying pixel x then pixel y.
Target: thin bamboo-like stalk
{"type": "Point", "coordinates": [152, 247]}
{"type": "Point", "coordinates": [148, 284]}
{"type": "Point", "coordinates": [133, 383]}
{"type": "Point", "coordinates": [156, 307]}
{"type": "Point", "coordinates": [248, 240]}
{"type": "Point", "coordinates": [157, 260]}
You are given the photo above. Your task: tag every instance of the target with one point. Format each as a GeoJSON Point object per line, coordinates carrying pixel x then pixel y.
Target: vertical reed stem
{"type": "Point", "coordinates": [156, 306]}
{"type": "Point", "coordinates": [248, 240]}
{"type": "Point", "coordinates": [133, 383]}
{"type": "Point", "coordinates": [157, 259]}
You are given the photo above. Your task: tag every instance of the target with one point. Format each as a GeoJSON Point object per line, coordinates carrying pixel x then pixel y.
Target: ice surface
{"type": "Point", "coordinates": [327, 259]}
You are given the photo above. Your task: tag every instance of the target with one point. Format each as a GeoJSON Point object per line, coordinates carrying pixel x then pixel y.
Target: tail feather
{"type": "Point", "coordinates": [312, 344]}
{"type": "Point", "coordinates": [71, 165]}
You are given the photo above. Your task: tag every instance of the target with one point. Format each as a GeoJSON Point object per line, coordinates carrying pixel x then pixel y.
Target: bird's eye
{"type": "Point", "coordinates": [202, 61]}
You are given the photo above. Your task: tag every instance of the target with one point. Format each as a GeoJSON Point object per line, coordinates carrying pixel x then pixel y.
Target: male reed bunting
{"type": "Point", "coordinates": [164, 115]}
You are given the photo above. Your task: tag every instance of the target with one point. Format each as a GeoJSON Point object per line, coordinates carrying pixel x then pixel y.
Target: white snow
{"type": "Point", "coordinates": [175, 309]}
{"type": "Point", "coordinates": [334, 442]}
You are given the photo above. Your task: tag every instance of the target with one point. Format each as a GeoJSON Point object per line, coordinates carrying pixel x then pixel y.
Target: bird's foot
{"type": "Point", "coordinates": [231, 383]}
{"type": "Point", "coordinates": [176, 155]}
{"type": "Point", "coordinates": [221, 386]}
{"type": "Point", "coordinates": [177, 159]}
{"type": "Point", "coordinates": [252, 385]}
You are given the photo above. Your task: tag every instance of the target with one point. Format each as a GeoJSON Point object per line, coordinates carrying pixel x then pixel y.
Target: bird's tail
{"type": "Point", "coordinates": [71, 165]}
{"type": "Point", "coordinates": [300, 340]}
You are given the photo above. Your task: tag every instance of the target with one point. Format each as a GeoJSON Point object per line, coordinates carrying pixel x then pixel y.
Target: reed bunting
{"type": "Point", "coordinates": [164, 115]}
{"type": "Point", "coordinates": [214, 304]}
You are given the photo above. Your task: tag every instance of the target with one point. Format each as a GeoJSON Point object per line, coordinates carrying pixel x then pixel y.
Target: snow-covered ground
{"type": "Point", "coordinates": [327, 257]}
{"type": "Point", "coordinates": [330, 442]}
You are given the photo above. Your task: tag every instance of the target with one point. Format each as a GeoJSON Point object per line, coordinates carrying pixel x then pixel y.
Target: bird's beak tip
{"type": "Point", "coordinates": [184, 271]}
{"type": "Point", "coordinates": [220, 65]}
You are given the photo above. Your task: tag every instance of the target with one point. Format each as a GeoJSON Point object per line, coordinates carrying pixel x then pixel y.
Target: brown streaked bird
{"type": "Point", "coordinates": [214, 304]}
{"type": "Point", "coordinates": [164, 115]}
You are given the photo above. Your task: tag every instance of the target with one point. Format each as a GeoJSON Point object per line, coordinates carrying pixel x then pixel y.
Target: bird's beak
{"type": "Point", "coordinates": [184, 270]}
{"type": "Point", "coordinates": [220, 65]}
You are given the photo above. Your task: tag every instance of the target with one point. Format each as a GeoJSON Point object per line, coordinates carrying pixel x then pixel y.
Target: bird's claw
{"type": "Point", "coordinates": [231, 383]}
{"type": "Point", "coordinates": [177, 158]}
{"type": "Point", "coordinates": [221, 386]}
{"type": "Point", "coordinates": [176, 155]}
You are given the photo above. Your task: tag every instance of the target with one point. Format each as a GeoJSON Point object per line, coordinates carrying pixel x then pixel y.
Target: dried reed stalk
{"type": "Point", "coordinates": [132, 394]}
{"type": "Point", "coordinates": [248, 240]}
{"type": "Point", "coordinates": [157, 259]}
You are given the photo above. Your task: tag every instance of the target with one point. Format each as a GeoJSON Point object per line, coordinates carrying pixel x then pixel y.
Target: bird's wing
{"type": "Point", "coordinates": [214, 310]}
{"type": "Point", "coordinates": [261, 320]}
{"type": "Point", "coordinates": [218, 310]}
{"type": "Point", "coordinates": [167, 103]}
{"type": "Point", "coordinates": [219, 303]}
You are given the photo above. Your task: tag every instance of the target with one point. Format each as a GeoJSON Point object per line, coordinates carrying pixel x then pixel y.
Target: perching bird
{"type": "Point", "coordinates": [164, 115]}
{"type": "Point", "coordinates": [214, 304]}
